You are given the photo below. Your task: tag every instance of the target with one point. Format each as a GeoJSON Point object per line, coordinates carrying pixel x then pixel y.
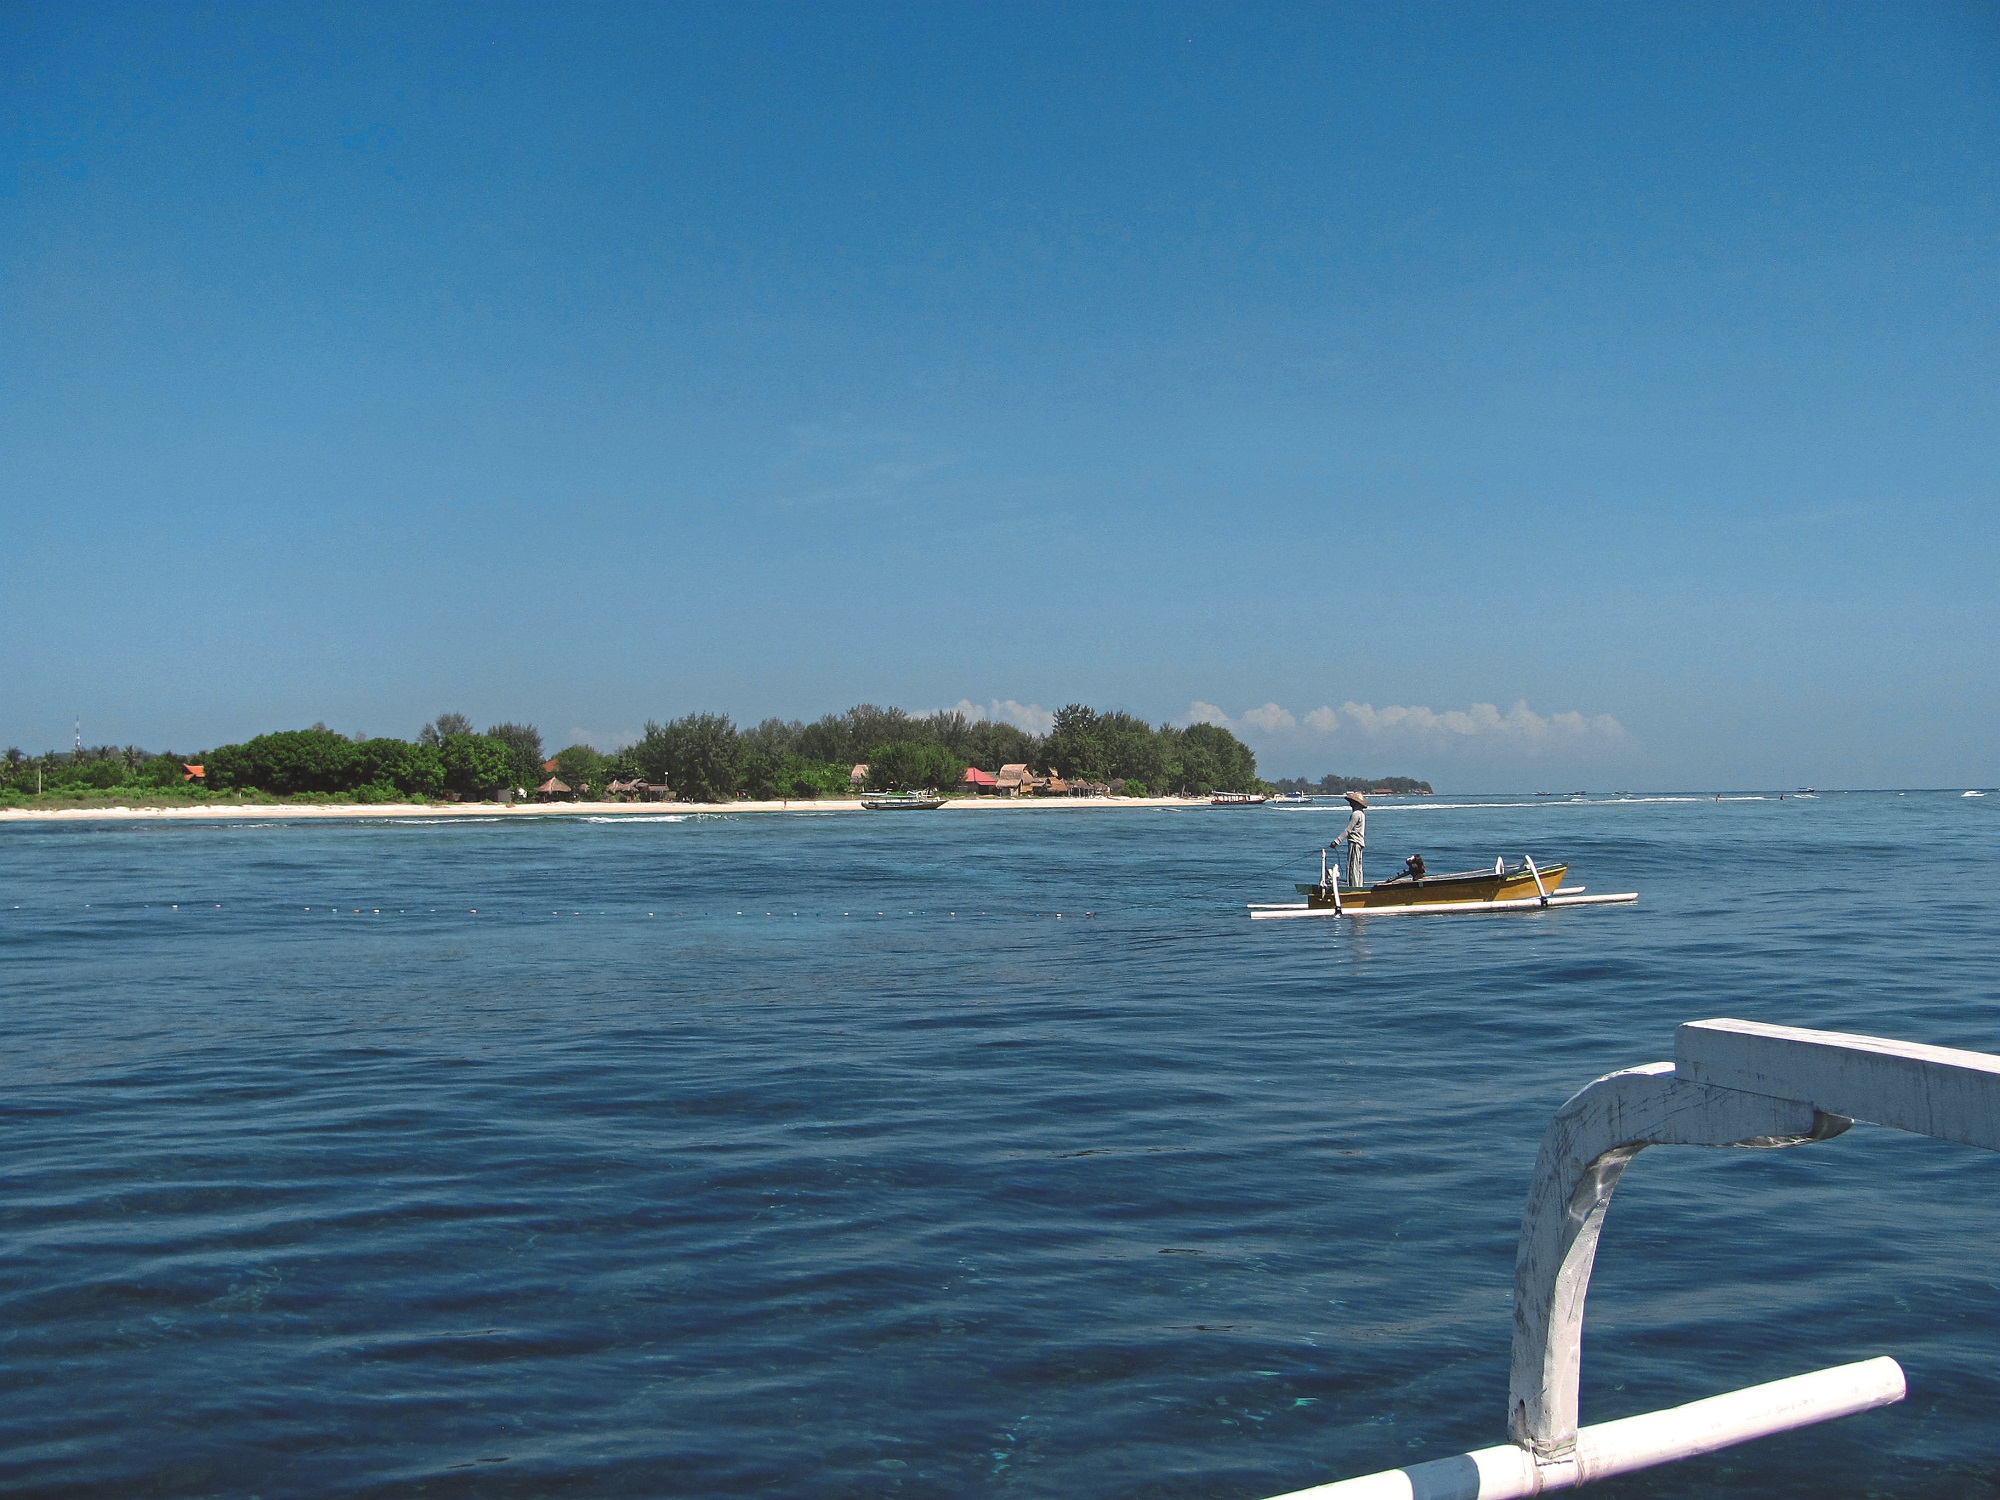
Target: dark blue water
{"type": "Point", "coordinates": [966, 1154]}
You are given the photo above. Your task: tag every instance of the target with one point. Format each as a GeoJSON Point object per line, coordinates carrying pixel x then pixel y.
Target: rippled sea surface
{"type": "Point", "coordinates": [969, 1153]}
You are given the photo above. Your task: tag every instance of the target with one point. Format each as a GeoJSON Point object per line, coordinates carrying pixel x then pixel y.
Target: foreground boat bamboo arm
{"type": "Point", "coordinates": [1507, 1472]}
{"type": "Point", "coordinates": [1525, 903]}
{"type": "Point", "coordinates": [1731, 1084]}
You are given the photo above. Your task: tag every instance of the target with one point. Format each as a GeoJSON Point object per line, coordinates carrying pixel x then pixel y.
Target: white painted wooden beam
{"type": "Point", "coordinates": [1583, 1154]}
{"type": "Point", "coordinates": [1434, 908]}
{"type": "Point", "coordinates": [1938, 1091]}
{"type": "Point", "coordinates": [1733, 1083]}
{"type": "Point", "coordinates": [1632, 1443]}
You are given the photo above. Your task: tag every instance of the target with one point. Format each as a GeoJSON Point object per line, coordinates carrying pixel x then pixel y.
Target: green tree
{"type": "Point", "coordinates": [475, 765]}
{"type": "Point", "coordinates": [73, 775]}
{"type": "Point", "coordinates": [1133, 749]}
{"type": "Point", "coordinates": [807, 779]}
{"type": "Point", "coordinates": [287, 762]}
{"type": "Point", "coordinates": [442, 728]}
{"type": "Point", "coordinates": [160, 771]}
{"type": "Point", "coordinates": [767, 750]}
{"type": "Point", "coordinates": [524, 752]}
{"type": "Point", "coordinates": [409, 770]}
{"type": "Point", "coordinates": [949, 727]}
{"type": "Point", "coordinates": [1075, 747]}
{"type": "Point", "coordinates": [700, 756]}
{"type": "Point", "coordinates": [847, 737]}
{"type": "Point", "coordinates": [779, 737]}
{"type": "Point", "coordinates": [583, 770]}
{"type": "Point", "coordinates": [913, 765]}
{"type": "Point", "coordinates": [1208, 758]}
{"type": "Point", "coordinates": [990, 745]}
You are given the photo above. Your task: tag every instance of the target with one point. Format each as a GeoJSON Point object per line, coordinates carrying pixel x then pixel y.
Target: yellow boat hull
{"type": "Point", "coordinates": [1475, 885]}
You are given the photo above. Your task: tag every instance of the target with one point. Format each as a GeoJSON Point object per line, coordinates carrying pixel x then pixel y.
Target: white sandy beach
{"type": "Point", "coordinates": [211, 812]}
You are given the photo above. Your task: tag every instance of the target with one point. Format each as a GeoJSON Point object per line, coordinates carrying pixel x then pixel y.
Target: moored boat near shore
{"type": "Point", "coordinates": [902, 802]}
{"type": "Point", "coordinates": [1239, 799]}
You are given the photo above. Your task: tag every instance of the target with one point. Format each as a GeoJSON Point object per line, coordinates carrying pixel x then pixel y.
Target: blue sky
{"type": "Point", "coordinates": [1509, 395]}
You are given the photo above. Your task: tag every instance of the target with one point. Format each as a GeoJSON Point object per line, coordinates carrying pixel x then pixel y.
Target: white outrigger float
{"type": "Point", "coordinates": [1731, 1084]}
{"type": "Point", "coordinates": [1522, 887]}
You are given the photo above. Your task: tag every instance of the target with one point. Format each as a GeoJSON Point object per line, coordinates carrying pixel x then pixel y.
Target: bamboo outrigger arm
{"type": "Point", "coordinates": [1731, 1084]}
{"type": "Point", "coordinates": [1585, 1151]}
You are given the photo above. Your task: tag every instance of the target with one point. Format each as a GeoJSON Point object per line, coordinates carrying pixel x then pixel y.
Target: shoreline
{"type": "Point", "coordinates": [213, 812]}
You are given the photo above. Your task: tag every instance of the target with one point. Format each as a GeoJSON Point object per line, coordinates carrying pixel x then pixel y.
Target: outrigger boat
{"type": "Point", "coordinates": [902, 802]}
{"type": "Point", "coordinates": [1522, 887]}
{"type": "Point", "coordinates": [1239, 799]}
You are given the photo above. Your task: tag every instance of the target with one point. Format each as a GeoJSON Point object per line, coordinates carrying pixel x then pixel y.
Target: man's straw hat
{"type": "Point", "coordinates": [1355, 799]}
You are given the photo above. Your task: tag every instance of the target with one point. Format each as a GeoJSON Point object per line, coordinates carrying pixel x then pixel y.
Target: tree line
{"type": "Point", "coordinates": [699, 757]}
{"type": "Point", "coordinates": [705, 757]}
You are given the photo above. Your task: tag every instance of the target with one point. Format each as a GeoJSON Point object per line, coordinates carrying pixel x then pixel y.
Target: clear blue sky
{"type": "Point", "coordinates": [594, 363]}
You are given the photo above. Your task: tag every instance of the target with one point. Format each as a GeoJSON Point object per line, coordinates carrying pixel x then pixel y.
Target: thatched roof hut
{"type": "Point", "coordinates": [1015, 780]}
{"type": "Point", "coordinates": [553, 790]}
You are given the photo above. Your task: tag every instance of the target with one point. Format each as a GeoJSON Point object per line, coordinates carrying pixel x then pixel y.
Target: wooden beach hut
{"type": "Point", "coordinates": [1014, 781]}
{"type": "Point", "coordinates": [981, 781]}
{"type": "Point", "coordinates": [553, 790]}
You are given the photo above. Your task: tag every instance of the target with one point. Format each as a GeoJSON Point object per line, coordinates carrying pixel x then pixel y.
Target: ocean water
{"type": "Point", "coordinates": [964, 1154]}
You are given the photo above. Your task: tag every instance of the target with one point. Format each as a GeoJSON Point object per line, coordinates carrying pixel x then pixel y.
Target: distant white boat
{"type": "Point", "coordinates": [1972, 794]}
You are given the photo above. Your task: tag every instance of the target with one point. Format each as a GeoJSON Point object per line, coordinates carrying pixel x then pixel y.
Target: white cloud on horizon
{"type": "Point", "coordinates": [601, 740]}
{"type": "Point", "coordinates": [1029, 716]}
{"type": "Point", "coordinates": [1270, 718]}
{"type": "Point", "coordinates": [1520, 727]}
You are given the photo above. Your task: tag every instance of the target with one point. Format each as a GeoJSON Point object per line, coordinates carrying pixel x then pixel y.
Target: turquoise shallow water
{"type": "Point", "coordinates": [959, 1154]}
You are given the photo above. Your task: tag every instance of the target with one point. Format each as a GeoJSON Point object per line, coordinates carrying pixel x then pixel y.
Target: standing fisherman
{"type": "Point", "coordinates": [1355, 836]}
